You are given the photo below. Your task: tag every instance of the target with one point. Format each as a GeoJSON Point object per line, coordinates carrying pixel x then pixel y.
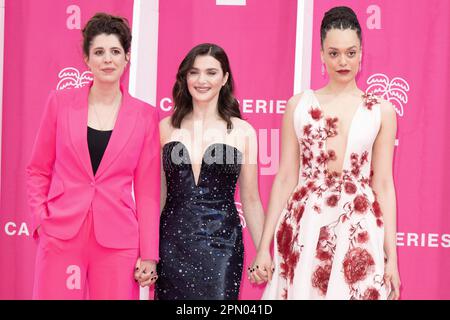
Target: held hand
{"type": "Point", "coordinates": [262, 268]}
{"type": "Point", "coordinates": [145, 272]}
{"type": "Point", "coordinates": [392, 280]}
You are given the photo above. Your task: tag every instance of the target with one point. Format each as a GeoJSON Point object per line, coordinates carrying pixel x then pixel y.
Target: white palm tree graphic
{"type": "Point", "coordinates": [71, 78]}
{"type": "Point", "coordinates": [394, 91]}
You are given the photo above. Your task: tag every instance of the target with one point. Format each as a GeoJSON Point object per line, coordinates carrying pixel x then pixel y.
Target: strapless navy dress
{"type": "Point", "coordinates": [201, 247]}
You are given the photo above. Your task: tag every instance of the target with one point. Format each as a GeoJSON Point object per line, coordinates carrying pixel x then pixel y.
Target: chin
{"type": "Point", "coordinates": [108, 80]}
{"type": "Point", "coordinates": [202, 99]}
{"type": "Point", "coordinates": [344, 79]}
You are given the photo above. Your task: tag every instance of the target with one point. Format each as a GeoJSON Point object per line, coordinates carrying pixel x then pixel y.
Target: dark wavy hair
{"type": "Point", "coordinates": [340, 18]}
{"type": "Point", "coordinates": [105, 23]}
{"type": "Point", "coordinates": [228, 106]}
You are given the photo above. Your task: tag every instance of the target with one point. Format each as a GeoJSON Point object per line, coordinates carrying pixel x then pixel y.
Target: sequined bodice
{"type": "Point", "coordinates": [219, 172]}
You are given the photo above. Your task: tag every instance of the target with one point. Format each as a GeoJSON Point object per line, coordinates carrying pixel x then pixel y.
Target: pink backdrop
{"type": "Point", "coordinates": [405, 48]}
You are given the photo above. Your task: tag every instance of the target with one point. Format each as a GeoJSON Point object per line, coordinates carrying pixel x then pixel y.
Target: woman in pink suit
{"type": "Point", "coordinates": [93, 145]}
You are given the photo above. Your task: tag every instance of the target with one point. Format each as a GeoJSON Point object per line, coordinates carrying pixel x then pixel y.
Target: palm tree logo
{"type": "Point", "coordinates": [71, 78]}
{"type": "Point", "coordinates": [241, 214]}
{"type": "Point", "coordinates": [394, 91]}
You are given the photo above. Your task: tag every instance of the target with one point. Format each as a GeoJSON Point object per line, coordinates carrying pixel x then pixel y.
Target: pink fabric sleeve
{"type": "Point", "coordinates": [40, 168]}
{"type": "Point", "coordinates": [147, 189]}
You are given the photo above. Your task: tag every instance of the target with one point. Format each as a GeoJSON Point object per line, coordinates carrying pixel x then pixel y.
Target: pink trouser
{"type": "Point", "coordinates": [80, 268]}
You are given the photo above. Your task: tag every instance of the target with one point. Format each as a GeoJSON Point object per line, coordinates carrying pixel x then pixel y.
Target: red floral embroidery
{"type": "Point", "coordinates": [321, 278]}
{"type": "Point", "coordinates": [379, 223]}
{"type": "Point", "coordinates": [377, 209]}
{"type": "Point", "coordinates": [331, 155]}
{"type": "Point", "coordinates": [307, 129]}
{"type": "Point", "coordinates": [298, 212]}
{"type": "Point", "coordinates": [361, 204]}
{"type": "Point", "coordinates": [324, 234]}
{"type": "Point", "coordinates": [285, 241]}
{"type": "Point", "coordinates": [311, 186]}
{"type": "Point", "coordinates": [284, 295]}
{"type": "Point", "coordinates": [371, 294]}
{"type": "Point", "coordinates": [317, 208]}
{"type": "Point", "coordinates": [289, 206]}
{"type": "Point", "coordinates": [364, 157]}
{"type": "Point", "coordinates": [358, 263]}
{"type": "Point", "coordinates": [332, 200]}
{"type": "Point", "coordinates": [363, 237]}
{"type": "Point", "coordinates": [349, 187]}
{"type": "Point", "coordinates": [331, 126]}
{"type": "Point", "coordinates": [288, 266]}
{"type": "Point", "coordinates": [315, 113]}
{"type": "Point", "coordinates": [323, 255]}
{"type": "Point", "coordinates": [370, 100]}
{"type": "Point", "coordinates": [300, 194]}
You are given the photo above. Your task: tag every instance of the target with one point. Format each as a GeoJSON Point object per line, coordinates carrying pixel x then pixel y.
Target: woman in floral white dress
{"type": "Point", "coordinates": [335, 222]}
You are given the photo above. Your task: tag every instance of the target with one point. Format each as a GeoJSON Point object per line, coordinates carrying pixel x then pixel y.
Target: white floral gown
{"type": "Point", "coordinates": [328, 241]}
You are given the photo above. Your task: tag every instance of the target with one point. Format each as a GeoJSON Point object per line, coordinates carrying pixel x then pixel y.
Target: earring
{"type": "Point", "coordinates": [323, 69]}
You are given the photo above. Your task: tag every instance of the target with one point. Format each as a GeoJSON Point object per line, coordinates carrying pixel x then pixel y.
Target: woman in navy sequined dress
{"type": "Point", "coordinates": [206, 150]}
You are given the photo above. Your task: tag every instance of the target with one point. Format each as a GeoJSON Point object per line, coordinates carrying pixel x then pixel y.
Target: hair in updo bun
{"type": "Point", "coordinates": [339, 18]}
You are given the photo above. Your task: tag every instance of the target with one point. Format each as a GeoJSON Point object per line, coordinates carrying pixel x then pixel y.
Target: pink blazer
{"type": "Point", "coordinates": [61, 185]}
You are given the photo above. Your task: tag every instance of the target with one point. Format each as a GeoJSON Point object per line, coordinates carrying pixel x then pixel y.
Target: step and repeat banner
{"type": "Point", "coordinates": [405, 59]}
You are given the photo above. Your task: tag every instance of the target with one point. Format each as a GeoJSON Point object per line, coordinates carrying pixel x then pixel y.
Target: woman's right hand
{"type": "Point", "coordinates": [262, 267]}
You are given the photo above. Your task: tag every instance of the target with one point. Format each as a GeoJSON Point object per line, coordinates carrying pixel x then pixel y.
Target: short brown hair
{"type": "Point", "coordinates": [108, 24]}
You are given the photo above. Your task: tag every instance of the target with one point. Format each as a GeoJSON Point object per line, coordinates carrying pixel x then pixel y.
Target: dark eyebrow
{"type": "Point", "coordinates": [354, 47]}
{"type": "Point", "coordinates": [104, 48]}
{"type": "Point", "coordinates": [209, 69]}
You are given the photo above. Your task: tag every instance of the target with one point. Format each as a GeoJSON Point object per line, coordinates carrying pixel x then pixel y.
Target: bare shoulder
{"type": "Point", "coordinates": [293, 101]}
{"type": "Point", "coordinates": [165, 122]}
{"type": "Point", "coordinates": [165, 128]}
{"type": "Point", "coordinates": [387, 110]}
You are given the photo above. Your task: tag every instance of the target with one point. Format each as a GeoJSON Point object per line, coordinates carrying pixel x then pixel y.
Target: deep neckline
{"type": "Point", "coordinates": [198, 181]}
{"type": "Point", "coordinates": [349, 131]}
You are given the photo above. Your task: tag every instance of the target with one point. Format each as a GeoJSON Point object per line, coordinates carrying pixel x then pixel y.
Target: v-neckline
{"type": "Point", "coordinates": [323, 123]}
{"type": "Point", "coordinates": [197, 182]}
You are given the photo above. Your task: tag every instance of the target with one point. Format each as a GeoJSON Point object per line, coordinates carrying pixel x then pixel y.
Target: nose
{"type": "Point", "coordinates": [201, 77]}
{"type": "Point", "coordinates": [107, 57]}
{"type": "Point", "coordinates": [342, 61]}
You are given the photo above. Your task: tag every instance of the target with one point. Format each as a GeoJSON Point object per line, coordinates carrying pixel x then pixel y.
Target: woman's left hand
{"type": "Point", "coordinates": [145, 272]}
{"type": "Point", "coordinates": [392, 280]}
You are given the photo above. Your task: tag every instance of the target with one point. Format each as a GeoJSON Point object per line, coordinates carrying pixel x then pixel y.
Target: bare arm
{"type": "Point", "coordinates": [248, 188]}
{"type": "Point", "coordinates": [383, 185]}
{"type": "Point", "coordinates": [284, 183]}
{"type": "Point", "coordinates": [163, 187]}
{"type": "Point", "coordinates": [287, 177]}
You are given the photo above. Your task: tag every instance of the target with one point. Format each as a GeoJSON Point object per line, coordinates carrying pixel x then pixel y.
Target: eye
{"type": "Point", "coordinates": [212, 73]}
{"type": "Point", "coordinates": [192, 72]}
{"type": "Point", "coordinates": [351, 54]}
{"type": "Point", "coordinates": [333, 54]}
{"type": "Point", "coordinates": [116, 52]}
{"type": "Point", "coordinates": [98, 52]}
